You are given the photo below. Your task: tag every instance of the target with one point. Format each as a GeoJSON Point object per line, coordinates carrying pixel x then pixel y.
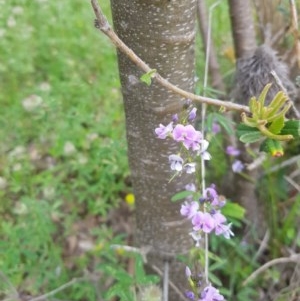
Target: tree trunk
{"type": "Point", "coordinates": [242, 27]}
{"type": "Point", "coordinates": [243, 189]}
{"type": "Point", "coordinates": [162, 33]}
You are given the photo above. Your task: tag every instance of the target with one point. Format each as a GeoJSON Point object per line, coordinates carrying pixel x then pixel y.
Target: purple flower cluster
{"type": "Point", "coordinates": [237, 165]}
{"type": "Point", "coordinates": [212, 220]}
{"type": "Point", "coordinates": [189, 138]}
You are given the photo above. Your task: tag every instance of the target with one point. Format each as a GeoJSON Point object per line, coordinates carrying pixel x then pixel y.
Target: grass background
{"type": "Point", "coordinates": [63, 159]}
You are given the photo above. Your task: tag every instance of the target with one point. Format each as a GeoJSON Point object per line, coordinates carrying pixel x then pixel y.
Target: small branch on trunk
{"type": "Point", "coordinates": [103, 25]}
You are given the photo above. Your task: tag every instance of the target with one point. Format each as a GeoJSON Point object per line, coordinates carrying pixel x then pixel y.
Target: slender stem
{"type": "Point", "coordinates": [203, 117]}
{"type": "Point", "coordinates": [103, 25]}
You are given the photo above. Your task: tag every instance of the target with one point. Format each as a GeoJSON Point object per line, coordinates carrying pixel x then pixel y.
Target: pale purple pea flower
{"type": "Point", "coordinates": [175, 118]}
{"type": "Point", "coordinates": [190, 295]}
{"type": "Point", "coordinates": [210, 293]}
{"type": "Point", "coordinates": [192, 114]}
{"type": "Point", "coordinates": [176, 162]}
{"type": "Point", "coordinates": [190, 167]}
{"type": "Point", "coordinates": [226, 231]}
{"type": "Point", "coordinates": [189, 209]}
{"type": "Point", "coordinates": [190, 187]}
{"type": "Point", "coordinates": [211, 194]}
{"type": "Point", "coordinates": [188, 136]}
{"type": "Point", "coordinates": [220, 227]}
{"type": "Point", "coordinates": [196, 237]}
{"type": "Point", "coordinates": [237, 166]}
{"type": "Point", "coordinates": [188, 272]}
{"type": "Point", "coordinates": [203, 150]}
{"type": "Point", "coordinates": [232, 151]}
{"type": "Point", "coordinates": [203, 221]}
{"type": "Point", "coordinates": [163, 131]}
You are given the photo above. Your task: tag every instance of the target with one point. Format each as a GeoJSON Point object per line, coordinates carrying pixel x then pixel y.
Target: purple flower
{"type": "Point", "coordinates": [211, 194]}
{"type": "Point", "coordinates": [190, 167]}
{"type": "Point", "coordinates": [211, 294]}
{"type": "Point", "coordinates": [220, 227]}
{"type": "Point", "coordinates": [226, 231]}
{"type": "Point", "coordinates": [202, 152]}
{"type": "Point", "coordinates": [176, 162]}
{"type": "Point", "coordinates": [163, 131]}
{"type": "Point", "coordinates": [189, 209]}
{"type": "Point", "coordinates": [190, 295]}
{"type": "Point", "coordinates": [237, 166]}
{"type": "Point", "coordinates": [192, 114]}
{"type": "Point", "coordinates": [190, 187]}
{"type": "Point", "coordinates": [203, 221]}
{"type": "Point", "coordinates": [216, 128]}
{"type": "Point", "coordinates": [175, 118]}
{"type": "Point", "coordinates": [232, 151]}
{"type": "Point", "coordinates": [188, 272]}
{"type": "Point", "coordinates": [188, 136]}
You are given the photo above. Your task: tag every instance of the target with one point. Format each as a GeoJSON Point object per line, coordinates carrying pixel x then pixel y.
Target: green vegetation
{"type": "Point", "coordinates": [63, 163]}
{"type": "Point", "coordinates": [63, 159]}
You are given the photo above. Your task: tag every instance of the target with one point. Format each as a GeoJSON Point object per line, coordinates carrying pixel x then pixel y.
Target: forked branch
{"type": "Point", "coordinates": [103, 25]}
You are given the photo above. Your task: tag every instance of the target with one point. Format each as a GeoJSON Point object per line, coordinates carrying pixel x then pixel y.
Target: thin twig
{"type": "Point", "coordinates": [174, 287]}
{"type": "Point", "coordinates": [292, 182]}
{"type": "Point", "coordinates": [166, 282]}
{"type": "Point", "coordinates": [283, 164]}
{"type": "Point", "coordinates": [263, 245]}
{"type": "Point", "coordinates": [103, 25]}
{"type": "Point", "coordinates": [45, 296]}
{"type": "Point", "coordinates": [281, 86]}
{"type": "Point", "coordinates": [293, 258]}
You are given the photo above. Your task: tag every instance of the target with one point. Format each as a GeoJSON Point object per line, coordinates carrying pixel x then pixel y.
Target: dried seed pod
{"type": "Point", "coordinates": [254, 72]}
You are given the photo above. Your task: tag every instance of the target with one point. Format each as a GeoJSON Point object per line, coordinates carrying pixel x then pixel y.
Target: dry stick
{"type": "Point", "coordinates": [292, 182]}
{"type": "Point", "coordinates": [295, 30]}
{"type": "Point", "coordinates": [293, 258]}
{"type": "Point", "coordinates": [103, 25]}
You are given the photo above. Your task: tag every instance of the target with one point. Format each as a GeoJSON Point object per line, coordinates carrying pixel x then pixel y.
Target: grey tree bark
{"type": "Point", "coordinates": [243, 30]}
{"type": "Point", "coordinates": [162, 33]}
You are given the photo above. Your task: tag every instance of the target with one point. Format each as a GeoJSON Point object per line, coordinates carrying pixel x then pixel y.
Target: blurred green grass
{"type": "Point", "coordinates": [63, 146]}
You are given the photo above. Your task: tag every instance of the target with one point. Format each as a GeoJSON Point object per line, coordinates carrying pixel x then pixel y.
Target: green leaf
{"type": "Point", "coordinates": [234, 210]}
{"type": "Point", "coordinates": [243, 129]}
{"type": "Point", "coordinates": [181, 195]}
{"type": "Point", "coordinates": [251, 137]}
{"type": "Point", "coordinates": [291, 127]}
{"type": "Point", "coordinates": [225, 122]}
{"type": "Point", "coordinates": [147, 77]}
{"type": "Point", "coordinates": [277, 125]}
{"type": "Point", "coordinates": [248, 134]}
